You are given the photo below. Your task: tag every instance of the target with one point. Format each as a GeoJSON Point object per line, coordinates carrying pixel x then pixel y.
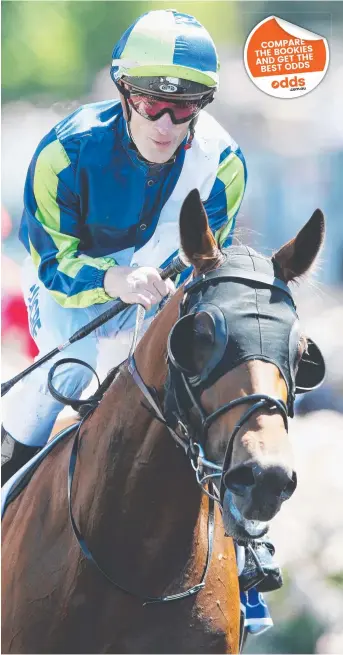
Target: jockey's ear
{"type": "Point", "coordinates": [197, 240]}
{"type": "Point", "coordinates": [296, 256]}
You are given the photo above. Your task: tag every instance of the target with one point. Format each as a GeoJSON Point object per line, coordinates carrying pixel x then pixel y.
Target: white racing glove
{"type": "Point", "coordinates": [142, 285]}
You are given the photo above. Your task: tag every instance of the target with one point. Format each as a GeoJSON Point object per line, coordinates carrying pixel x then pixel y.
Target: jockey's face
{"type": "Point", "coordinates": [157, 140]}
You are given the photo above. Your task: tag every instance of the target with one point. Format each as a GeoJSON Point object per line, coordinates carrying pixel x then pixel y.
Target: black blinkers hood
{"type": "Point", "coordinates": [254, 317]}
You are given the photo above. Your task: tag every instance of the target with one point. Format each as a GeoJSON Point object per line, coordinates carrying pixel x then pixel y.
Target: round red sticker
{"type": "Point", "coordinates": [285, 60]}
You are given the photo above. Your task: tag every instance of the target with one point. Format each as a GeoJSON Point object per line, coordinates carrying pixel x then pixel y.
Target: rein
{"type": "Point", "coordinates": [193, 449]}
{"type": "Point", "coordinates": [147, 600]}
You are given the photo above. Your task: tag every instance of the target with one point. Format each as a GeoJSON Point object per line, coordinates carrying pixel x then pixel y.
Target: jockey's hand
{"type": "Point", "coordinates": [142, 285]}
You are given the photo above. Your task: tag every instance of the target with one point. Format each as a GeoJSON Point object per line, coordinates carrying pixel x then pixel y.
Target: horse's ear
{"type": "Point", "coordinates": [197, 240]}
{"type": "Point", "coordinates": [296, 256]}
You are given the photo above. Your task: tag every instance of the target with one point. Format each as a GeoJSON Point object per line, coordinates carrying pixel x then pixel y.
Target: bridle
{"type": "Point", "coordinates": [184, 435]}
{"type": "Point", "coordinates": [194, 442]}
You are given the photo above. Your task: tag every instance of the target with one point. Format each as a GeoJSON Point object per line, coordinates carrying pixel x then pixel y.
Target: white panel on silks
{"type": "Point", "coordinates": [198, 172]}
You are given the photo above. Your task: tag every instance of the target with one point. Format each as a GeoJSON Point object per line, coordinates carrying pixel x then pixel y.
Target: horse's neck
{"type": "Point", "coordinates": [121, 429]}
{"type": "Point", "coordinates": [135, 493]}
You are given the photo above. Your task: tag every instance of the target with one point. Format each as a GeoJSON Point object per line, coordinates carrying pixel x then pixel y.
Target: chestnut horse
{"type": "Point", "coordinates": [234, 356]}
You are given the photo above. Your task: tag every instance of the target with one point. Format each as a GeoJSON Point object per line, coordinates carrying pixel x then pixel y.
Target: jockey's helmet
{"type": "Point", "coordinates": [167, 53]}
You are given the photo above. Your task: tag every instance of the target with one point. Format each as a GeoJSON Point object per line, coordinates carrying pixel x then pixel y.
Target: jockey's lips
{"type": "Point", "coordinates": [162, 144]}
{"type": "Point", "coordinates": [153, 107]}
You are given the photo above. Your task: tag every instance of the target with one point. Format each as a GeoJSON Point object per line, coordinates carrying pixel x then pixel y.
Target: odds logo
{"type": "Point", "coordinates": [285, 60]}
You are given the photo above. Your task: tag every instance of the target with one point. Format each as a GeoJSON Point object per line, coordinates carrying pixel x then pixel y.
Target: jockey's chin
{"type": "Point", "coordinates": [157, 140]}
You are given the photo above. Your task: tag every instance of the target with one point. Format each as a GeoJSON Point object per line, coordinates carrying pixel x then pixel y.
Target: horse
{"type": "Point", "coordinates": [217, 370]}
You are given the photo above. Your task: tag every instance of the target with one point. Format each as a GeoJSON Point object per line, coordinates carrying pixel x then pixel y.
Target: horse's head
{"type": "Point", "coordinates": [237, 357]}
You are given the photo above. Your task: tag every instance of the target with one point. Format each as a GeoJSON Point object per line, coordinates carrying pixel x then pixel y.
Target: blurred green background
{"type": "Point", "coordinates": [56, 56]}
{"type": "Point", "coordinates": [63, 44]}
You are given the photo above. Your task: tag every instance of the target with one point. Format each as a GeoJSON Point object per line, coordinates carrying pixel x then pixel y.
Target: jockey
{"type": "Point", "coordinates": [102, 202]}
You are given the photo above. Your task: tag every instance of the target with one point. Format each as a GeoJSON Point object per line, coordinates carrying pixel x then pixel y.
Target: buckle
{"type": "Point", "coordinates": [195, 454]}
{"type": "Point", "coordinates": [260, 571]}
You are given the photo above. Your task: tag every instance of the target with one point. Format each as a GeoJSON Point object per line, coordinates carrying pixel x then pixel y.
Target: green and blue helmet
{"type": "Point", "coordinates": [165, 51]}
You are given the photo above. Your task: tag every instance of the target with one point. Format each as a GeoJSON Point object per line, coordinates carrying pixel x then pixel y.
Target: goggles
{"type": "Point", "coordinates": [180, 110]}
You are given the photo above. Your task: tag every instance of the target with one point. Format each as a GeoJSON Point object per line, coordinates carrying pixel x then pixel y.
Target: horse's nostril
{"type": "Point", "coordinates": [239, 478]}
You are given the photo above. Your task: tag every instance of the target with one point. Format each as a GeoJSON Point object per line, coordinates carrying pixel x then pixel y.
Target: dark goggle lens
{"type": "Point", "coordinates": [153, 108]}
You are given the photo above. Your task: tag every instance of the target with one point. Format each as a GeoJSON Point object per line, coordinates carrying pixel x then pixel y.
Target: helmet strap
{"type": "Point", "coordinates": [127, 109]}
{"type": "Point", "coordinates": [192, 124]}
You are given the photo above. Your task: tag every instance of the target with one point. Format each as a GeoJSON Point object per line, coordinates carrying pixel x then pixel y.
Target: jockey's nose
{"type": "Point", "coordinates": [260, 490]}
{"type": "Point", "coordinates": [164, 124]}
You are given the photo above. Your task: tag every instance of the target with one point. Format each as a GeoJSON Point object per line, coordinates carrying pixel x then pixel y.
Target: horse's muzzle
{"type": "Point", "coordinates": [253, 495]}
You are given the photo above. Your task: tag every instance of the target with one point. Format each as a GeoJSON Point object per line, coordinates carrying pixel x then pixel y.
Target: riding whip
{"type": "Point", "coordinates": [177, 265]}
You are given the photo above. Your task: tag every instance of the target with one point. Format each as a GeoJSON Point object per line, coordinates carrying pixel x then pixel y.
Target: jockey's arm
{"type": "Point", "coordinates": [52, 219]}
{"type": "Point", "coordinates": [226, 196]}
{"type": "Point", "coordinates": [51, 231]}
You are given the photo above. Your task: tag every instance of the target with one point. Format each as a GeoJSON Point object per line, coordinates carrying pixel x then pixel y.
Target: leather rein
{"type": "Point", "coordinates": [184, 436]}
